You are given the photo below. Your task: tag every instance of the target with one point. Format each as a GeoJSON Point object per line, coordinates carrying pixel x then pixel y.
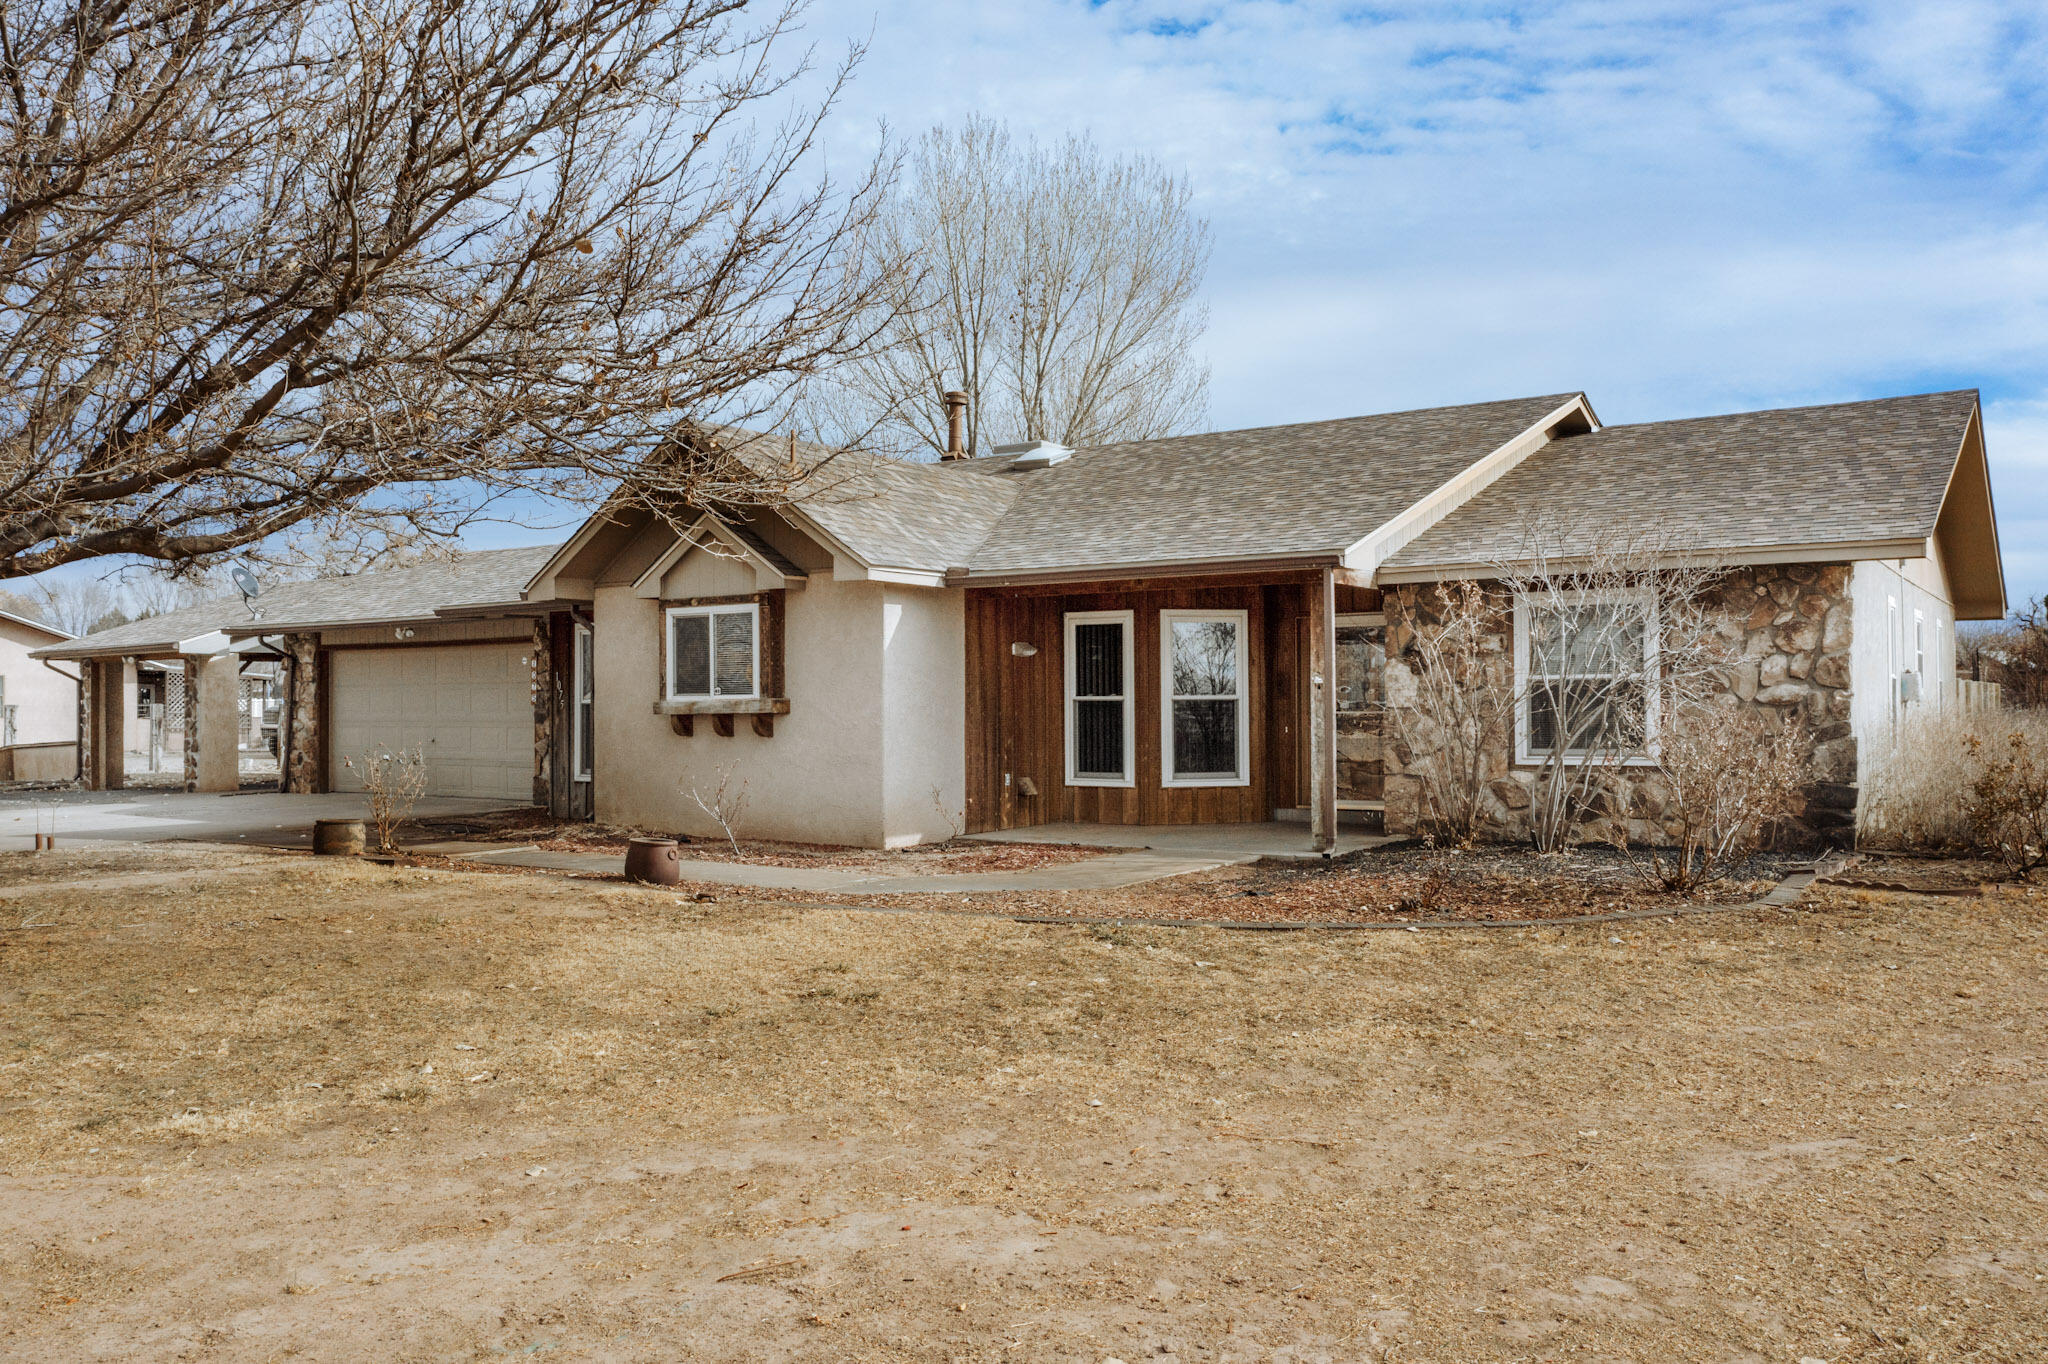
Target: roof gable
{"type": "Point", "coordinates": [1869, 476]}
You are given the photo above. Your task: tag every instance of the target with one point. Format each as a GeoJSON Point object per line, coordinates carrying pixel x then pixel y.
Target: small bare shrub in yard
{"type": "Point", "coordinates": [724, 803]}
{"type": "Point", "coordinates": [394, 782]}
{"type": "Point", "coordinates": [2008, 801]}
{"type": "Point", "coordinates": [1730, 777]}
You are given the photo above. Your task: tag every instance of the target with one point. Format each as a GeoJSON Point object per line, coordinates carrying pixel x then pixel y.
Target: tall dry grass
{"type": "Point", "coordinates": [1919, 792]}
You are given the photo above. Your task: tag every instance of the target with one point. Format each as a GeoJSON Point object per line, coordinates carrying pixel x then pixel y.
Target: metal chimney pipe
{"type": "Point", "coordinates": [956, 424]}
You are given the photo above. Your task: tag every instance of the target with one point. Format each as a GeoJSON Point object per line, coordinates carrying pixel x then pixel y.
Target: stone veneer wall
{"type": "Point", "coordinates": [1790, 628]}
{"type": "Point", "coordinates": [302, 748]}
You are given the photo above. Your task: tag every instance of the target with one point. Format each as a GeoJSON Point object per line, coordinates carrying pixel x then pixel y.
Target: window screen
{"type": "Point", "coordinates": [1205, 657]}
{"type": "Point", "coordinates": [1586, 674]}
{"type": "Point", "coordinates": [1098, 715]}
{"type": "Point", "coordinates": [711, 652]}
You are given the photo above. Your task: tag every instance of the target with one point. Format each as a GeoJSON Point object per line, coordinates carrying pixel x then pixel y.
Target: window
{"type": "Point", "coordinates": [1100, 735]}
{"type": "Point", "coordinates": [1920, 654]}
{"type": "Point", "coordinates": [1583, 664]}
{"type": "Point", "coordinates": [1202, 668]}
{"type": "Point", "coordinates": [583, 735]}
{"type": "Point", "coordinates": [713, 652]}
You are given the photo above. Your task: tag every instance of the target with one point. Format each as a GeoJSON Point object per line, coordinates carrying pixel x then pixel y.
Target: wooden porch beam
{"type": "Point", "coordinates": [1322, 713]}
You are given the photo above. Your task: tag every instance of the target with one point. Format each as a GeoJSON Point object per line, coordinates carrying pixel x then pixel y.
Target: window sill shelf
{"type": "Point", "coordinates": [734, 705]}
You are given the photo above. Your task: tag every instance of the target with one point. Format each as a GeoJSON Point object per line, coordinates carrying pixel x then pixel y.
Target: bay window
{"type": "Point", "coordinates": [1204, 739]}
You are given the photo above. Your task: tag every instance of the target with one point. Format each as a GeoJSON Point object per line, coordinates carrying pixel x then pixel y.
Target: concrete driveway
{"type": "Point", "coordinates": [256, 817]}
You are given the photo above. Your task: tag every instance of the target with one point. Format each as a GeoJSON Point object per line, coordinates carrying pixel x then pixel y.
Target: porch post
{"type": "Point", "coordinates": [212, 722]}
{"type": "Point", "coordinates": [1322, 712]}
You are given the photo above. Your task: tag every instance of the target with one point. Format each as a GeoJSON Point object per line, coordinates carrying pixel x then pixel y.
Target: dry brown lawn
{"type": "Point", "coordinates": [266, 1108]}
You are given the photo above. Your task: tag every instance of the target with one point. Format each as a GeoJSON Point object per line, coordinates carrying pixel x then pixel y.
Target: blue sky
{"type": "Point", "coordinates": [1679, 208]}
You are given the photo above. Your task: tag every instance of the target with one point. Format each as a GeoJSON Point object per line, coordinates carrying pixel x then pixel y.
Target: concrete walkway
{"type": "Point", "coordinates": [1280, 838]}
{"type": "Point", "coordinates": [1096, 873]}
{"type": "Point", "coordinates": [258, 818]}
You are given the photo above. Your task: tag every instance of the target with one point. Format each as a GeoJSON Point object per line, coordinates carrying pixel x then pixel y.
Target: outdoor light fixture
{"type": "Point", "coordinates": [401, 632]}
{"type": "Point", "coordinates": [1023, 650]}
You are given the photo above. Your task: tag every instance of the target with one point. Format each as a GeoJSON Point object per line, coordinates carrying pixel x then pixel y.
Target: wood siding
{"type": "Point", "coordinates": [1016, 707]}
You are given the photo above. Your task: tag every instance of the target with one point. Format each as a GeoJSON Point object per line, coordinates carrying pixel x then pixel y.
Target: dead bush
{"type": "Point", "coordinates": [2008, 800]}
{"type": "Point", "coordinates": [394, 782]}
{"type": "Point", "coordinates": [1731, 776]}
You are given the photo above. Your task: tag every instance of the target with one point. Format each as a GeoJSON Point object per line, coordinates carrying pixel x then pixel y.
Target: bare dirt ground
{"type": "Point", "coordinates": [258, 1108]}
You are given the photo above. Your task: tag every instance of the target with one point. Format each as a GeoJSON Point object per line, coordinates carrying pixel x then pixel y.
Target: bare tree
{"type": "Point", "coordinates": [79, 604]}
{"type": "Point", "coordinates": [260, 259]}
{"type": "Point", "coordinates": [1058, 288]}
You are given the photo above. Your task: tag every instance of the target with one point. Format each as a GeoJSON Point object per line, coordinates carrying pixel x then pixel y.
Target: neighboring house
{"type": "Point", "coordinates": [38, 703]}
{"type": "Point", "coordinates": [1135, 633]}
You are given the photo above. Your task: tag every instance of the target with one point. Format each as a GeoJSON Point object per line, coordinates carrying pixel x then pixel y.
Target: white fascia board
{"type": "Point", "coordinates": [1842, 553]}
{"type": "Point", "coordinates": [199, 646]}
{"type": "Point", "coordinates": [848, 570]}
{"type": "Point", "coordinates": [1382, 544]}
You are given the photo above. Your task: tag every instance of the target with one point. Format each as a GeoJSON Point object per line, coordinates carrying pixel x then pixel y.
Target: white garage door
{"type": "Point", "coordinates": [469, 708]}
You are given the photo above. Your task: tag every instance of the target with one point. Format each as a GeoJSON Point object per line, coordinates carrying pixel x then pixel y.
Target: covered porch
{"type": "Point", "coordinates": [1202, 702]}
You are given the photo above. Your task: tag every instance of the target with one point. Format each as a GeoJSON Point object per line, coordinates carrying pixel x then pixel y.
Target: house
{"type": "Point", "coordinates": [1133, 634]}
{"type": "Point", "coordinates": [38, 704]}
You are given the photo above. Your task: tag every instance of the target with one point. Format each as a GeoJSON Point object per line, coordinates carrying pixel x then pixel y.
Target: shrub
{"type": "Point", "coordinates": [1731, 776]}
{"type": "Point", "coordinates": [1919, 792]}
{"type": "Point", "coordinates": [393, 782]}
{"type": "Point", "coordinates": [2008, 801]}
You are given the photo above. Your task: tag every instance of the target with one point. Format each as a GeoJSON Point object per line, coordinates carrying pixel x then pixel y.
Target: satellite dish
{"type": "Point", "coordinates": [246, 580]}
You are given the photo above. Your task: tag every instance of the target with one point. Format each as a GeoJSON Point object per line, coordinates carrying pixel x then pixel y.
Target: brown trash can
{"type": "Point", "coordinates": [653, 861]}
{"type": "Point", "coordinates": [338, 838]}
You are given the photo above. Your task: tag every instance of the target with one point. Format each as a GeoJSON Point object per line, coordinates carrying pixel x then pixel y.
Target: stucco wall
{"type": "Point", "coordinates": [924, 699]}
{"type": "Point", "coordinates": [817, 779]}
{"type": "Point", "coordinates": [876, 688]}
{"type": "Point", "coordinates": [45, 702]}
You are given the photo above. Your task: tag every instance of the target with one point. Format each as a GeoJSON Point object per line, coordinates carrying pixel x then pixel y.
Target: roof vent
{"type": "Point", "coordinates": [1035, 454]}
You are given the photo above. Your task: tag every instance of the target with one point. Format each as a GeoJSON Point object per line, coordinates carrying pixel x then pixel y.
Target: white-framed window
{"type": "Point", "coordinates": [1895, 648]}
{"type": "Point", "coordinates": [1583, 664]}
{"type": "Point", "coordinates": [1204, 739]}
{"type": "Point", "coordinates": [1101, 737]}
{"type": "Point", "coordinates": [1920, 652]}
{"type": "Point", "coordinates": [714, 652]}
{"type": "Point", "coordinates": [582, 731]}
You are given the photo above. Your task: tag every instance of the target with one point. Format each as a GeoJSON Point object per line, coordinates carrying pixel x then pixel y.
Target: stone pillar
{"type": "Point", "coordinates": [1322, 713]}
{"type": "Point", "coordinates": [544, 695]}
{"type": "Point", "coordinates": [213, 759]}
{"type": "Point", "coordinates": [88, 672]}
{"type": "Point", "coordinates": [304, 771]}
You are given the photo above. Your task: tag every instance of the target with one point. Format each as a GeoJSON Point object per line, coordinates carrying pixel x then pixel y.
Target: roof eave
{"type": "Point", "coordinates": [1150, 568]}
{"type": "Point", "coordinates": [1845, 551]}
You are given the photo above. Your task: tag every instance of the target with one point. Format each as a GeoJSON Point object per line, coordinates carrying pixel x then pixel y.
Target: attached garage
{"type": "Point", "coordinates": [469, 708]}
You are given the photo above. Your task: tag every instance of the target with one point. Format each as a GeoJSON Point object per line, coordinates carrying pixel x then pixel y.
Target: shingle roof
{"type": "Point", "coordinates": [891, 512]}
{"type": "Point", "coordinates": [1843, 473]}
{"type": "Point", "coordinates": [415, 593]}
{"type": "Point", "coordinates": [1268, 492]}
